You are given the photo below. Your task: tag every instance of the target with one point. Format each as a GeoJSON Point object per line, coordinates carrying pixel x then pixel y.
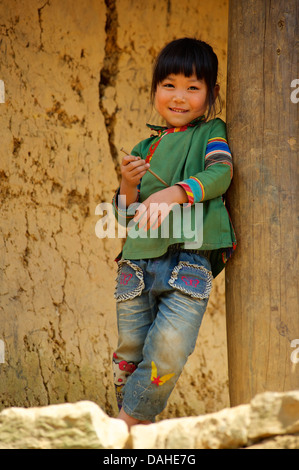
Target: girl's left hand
{"type": "Point", "coordinates": [152, 212]}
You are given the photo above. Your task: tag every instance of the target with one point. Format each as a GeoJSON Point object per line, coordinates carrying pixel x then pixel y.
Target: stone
{"type": "Point", "coordinates": [268, 414]}
{"type": "Point", "coordinates": [81, 425]}
{"type": "Point", "coordinates": [274, 413]}
{"type": "Point", "coordinates": [278, 442]}
{"type": "Point", "coordinates": [269, 421]}
{"type": "Point", "coordinates": [226, 429]}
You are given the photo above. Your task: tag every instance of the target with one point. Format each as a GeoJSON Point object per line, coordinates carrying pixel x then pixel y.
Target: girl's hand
{"type": "Point", "coordinates": [152, 212]}
{"type": "Point", "coordinates": [132, 170]}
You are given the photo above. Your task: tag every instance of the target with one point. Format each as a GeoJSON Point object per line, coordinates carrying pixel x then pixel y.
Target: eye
{"type": "Point", "coordinates": [168, 85]}
{"type": "Point", "coordinates": [193, 88]}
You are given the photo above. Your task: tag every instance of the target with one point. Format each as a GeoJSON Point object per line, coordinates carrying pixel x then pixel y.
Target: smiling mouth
{"type": "Point", "coordinates": [178, 110]}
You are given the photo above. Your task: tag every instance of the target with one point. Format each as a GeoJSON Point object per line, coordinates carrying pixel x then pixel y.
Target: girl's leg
{"type": "Point", "coordinates": [169, 342]}
{"type": "Point", "coordinates": [129, 420]}
{"type": "Point", "coordinates": [159, 318]}
{"type": "Point", "coordinates": [134, 318]}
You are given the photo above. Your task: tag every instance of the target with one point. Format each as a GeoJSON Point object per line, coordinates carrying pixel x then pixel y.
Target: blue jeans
{"type": "Point", "coordinates": [160, 306]}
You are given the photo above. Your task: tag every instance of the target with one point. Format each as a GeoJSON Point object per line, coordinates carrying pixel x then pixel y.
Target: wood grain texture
{"type": "Point", "coordinates": [262, 291]}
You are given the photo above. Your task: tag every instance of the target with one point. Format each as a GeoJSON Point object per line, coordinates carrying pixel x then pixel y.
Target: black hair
{"type": "Point", "coordinates": [188, 56]}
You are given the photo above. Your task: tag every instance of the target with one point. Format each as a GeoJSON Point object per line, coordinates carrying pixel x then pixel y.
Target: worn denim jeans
{"type": "Point", "coordinates": [160, 306]}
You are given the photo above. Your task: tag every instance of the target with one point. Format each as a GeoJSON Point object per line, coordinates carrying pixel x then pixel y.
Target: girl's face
{"type": "Point", "coordinates": [180, 99]}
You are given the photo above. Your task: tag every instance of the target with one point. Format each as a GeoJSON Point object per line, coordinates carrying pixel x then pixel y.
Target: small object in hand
{"type": "Point", "coordinates": [150, 171]}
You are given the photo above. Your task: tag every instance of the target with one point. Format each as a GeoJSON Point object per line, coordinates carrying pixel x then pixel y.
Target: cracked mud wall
{"type": "Point", "coordinates": [77, 81]}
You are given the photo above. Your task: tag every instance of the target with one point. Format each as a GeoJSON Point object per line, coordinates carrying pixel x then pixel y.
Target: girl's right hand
{"type": "Point", "coordinates": [133, 169]}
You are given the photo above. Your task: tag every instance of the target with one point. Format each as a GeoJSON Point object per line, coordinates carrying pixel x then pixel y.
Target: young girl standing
{"type": "Point", "coordinates": [164, 282]}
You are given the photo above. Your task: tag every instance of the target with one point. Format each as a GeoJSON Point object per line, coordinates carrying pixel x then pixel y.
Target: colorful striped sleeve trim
{"type": "Point", "coordinates": [194, 189]}
{"type": "Point", "coordinates": [218, 151]}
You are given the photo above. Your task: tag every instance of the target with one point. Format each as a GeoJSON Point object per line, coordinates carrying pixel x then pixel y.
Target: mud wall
{"type": "Point", "coordinates": [77, 79]}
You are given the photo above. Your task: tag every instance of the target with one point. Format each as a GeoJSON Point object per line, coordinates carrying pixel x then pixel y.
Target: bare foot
{"type": "Point", "coordinates": [129, 420]}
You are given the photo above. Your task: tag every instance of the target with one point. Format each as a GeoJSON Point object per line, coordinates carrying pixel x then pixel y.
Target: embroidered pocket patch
{"type": "Point", "coordinates": [192, 279]}
{"type": "Point", "coordinates": [129, 281]}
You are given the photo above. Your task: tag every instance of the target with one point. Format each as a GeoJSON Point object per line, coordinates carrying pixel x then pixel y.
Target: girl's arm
{"type": "Point", "coordinates": [157, 206]}
{"type": "Point", "coordinates": [218, 170]}
{"type": "Point", "coordinates": [132, 170]}
{"type": "Point", "coordinates": [208, 184]}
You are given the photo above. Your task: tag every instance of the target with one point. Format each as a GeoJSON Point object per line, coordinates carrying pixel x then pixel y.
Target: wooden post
{"type": "Point", "coordinates": [262, 278]}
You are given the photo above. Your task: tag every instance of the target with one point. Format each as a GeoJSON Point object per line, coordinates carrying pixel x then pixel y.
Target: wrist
{"type": "Point", "coordinates": [127, 186]}
{"type": "Point", "coordinates": [129, 191]}
{"type": "Point", "coordinates": [179, 194]}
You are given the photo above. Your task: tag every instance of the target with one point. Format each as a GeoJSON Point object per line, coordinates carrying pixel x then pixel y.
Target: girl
{"type": "Point", "coordinates": [164, 282]}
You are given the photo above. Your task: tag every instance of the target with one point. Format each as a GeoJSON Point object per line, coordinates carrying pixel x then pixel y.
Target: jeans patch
{"type": "Point", "coordinates": [129, 279]}
{"type": "Point", "coordinates": [192, 279]}
{"type": "Point", "coordinates": [121, 371]}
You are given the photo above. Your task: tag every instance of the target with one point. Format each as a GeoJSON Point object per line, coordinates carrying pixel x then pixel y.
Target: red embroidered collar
{"type": "Point", "coordinates": [163, 130]}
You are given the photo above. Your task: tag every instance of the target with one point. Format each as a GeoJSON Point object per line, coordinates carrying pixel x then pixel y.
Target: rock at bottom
{"type": "Point", "coordinates": [81, 425]}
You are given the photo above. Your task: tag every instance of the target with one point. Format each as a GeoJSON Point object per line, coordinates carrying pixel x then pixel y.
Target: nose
{"type": "Point", "coordinates": [179, 96]}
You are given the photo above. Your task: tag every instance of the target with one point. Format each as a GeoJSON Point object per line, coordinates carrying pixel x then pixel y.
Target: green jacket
{"type": "Point", "coordinates": [197, 157]}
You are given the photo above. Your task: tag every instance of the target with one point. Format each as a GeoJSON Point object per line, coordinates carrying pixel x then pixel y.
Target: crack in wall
{"type": "Point", "coordinates": [108, 77]}
{"type": "Point", "coordinates": [40, 21]}
{"type": "Point", "coordinates": [168, 16]}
